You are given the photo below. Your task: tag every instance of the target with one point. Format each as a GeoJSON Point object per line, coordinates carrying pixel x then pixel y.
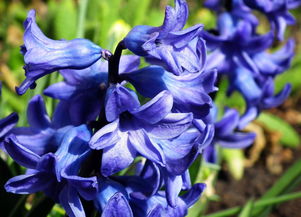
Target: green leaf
{"type": "Point", "coordinates": [11, 99]}
{"type": "Point", "coordinates": [246, 211]}
{"type": "Point", "coordinates": [65, 20]}
{"type": "Point", "coordinates": [289, 136]}
{"type": "Point", "coordinates": [291, 76]}
{"type": "Point", "coordinates": [235, 161]}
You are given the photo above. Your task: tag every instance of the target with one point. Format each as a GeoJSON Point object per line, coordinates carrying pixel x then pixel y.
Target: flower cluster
{"type": "Point", "coordinates": [130, 157]}
{"type": "Point", "coordinates": [241, 54]}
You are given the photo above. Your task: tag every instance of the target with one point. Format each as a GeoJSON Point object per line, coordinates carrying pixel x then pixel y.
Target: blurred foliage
{"type": "Point", "coordinates": [106, 22]}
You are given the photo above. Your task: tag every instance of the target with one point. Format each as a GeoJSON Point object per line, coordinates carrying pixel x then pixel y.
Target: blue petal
{"type": "Point", "coordinates": [237, 140]}
{"type": "Point", "coordinates": [60, 91]}
{"type": "Point", "coordinates": [250, 114]}
{"type": "Point", "coordinates": [72, 151]}
{"type": "Point", "coordinates": [70, 201]}
{"type": "Point", "coordinates": [105, 137]}
{"type": "Point", "coordinates": [190, 92]}
{"type": "Point", "coordinates": [119, 99]}
{"type": "Point", "coordinates": [175, 18]}
{"type": "Point", "coordinates": [87, 77]}
{"type": "Point", "coordinates": [61, 116]}
{"type": "Point", "coordinates": [245, 83]}
{"type": "Point", "coordinates": [276, 63]}
{"type": "Point", "coordinates": [43, 56]}
{"type": "Point", "coordinates": [117, 157]}
{"type": "Point", "coordinates": [194, 194]}
{"type": "Point", "coordinates": [173, 188]}
{"type": "Point", "coordinates": [156, 211]}
{"type": "Point", "coordinates": [210, 154]}
{"type": "Point", "coordinates": [107, 188]}
{"type": "Point", "coordinates": [86, 187]}
{"type": "Point", "coordinates": [36, 113]}
{"type": "Point", "coordinates": [173, 125]}
{"type": "Point", "coordinates": [28, 184]}
{"type": "Point", "coordinates": [156, 109]}
{"type": "Point", "coordinates": [128, 63]}
{"type": "Point", "coordinates": [278, 99]}
{"type": "Point", "coordinates": [7, 123]}
{"type": "Point", "coordinates": [21, 154]}
{"type": "Point", "coordinates": [228, 123]}
{"type": "Point", "coordinates": [38, 141]}
{"type": "Point", "coordinates": [85, 107]}
{"type": "Point", "coordinates": [259, 43]}
{"type": "Point", "coordinates": [150, 150]}
{"type": "Point", "coordinates": [117, 206]}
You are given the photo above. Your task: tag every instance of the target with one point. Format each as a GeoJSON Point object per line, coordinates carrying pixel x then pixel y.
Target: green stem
{"type": "Point", "coordinates": [83, 4]}
{"type": "Point", "coordinates": [259, 203]}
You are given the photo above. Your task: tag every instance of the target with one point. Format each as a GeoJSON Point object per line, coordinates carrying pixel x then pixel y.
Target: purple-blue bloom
{"type": "Point", "coordinates": [277, 12]}
{"type": "Point", "coordinates": [177, 50]}
{"type": "Point", "coordinates": [258, 96]}
{"type": "Point", "coordinates": [189, 91]}
{"type": "Point", "coordinates": [83, 91]}
{"type": "Point", "coordinates": [139, 196]}
{"type": "Point", "coordinates": [111, 112]}
{"type": "Point", "coordinates": [43, 55]}
{"type": "Point", "coordinates": [227, 135]}
{"type": "Point", "coordinates": [6, 126]}
{"type": "Point", "coordinates": [133, 128]}
{"type": "Point", "coordinates": [235, 41]}
{"type": "Point", "coordinates": [241, 54]}
{"type": "Point", "coordinates": [42, 135]}
{"type": "Point", "coordinates": [56, 174]}
{"type": "Point", "coordinates": [237, 8]}
{"type": "Point", "coordinates": [272, 64]}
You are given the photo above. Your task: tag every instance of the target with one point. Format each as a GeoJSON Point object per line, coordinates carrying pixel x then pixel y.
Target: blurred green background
{"type": "Point", "coordinates": [106, 22]}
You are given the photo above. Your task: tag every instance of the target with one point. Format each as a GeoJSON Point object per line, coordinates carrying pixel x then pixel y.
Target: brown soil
{"type": "Point", "coordinates": [256, 181]}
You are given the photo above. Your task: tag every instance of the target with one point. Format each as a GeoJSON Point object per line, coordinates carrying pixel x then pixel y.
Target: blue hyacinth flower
{"type": "Point", "coordinates": [6, 126]}
{"type": "Point", "coordinates": [139, 196]}
{"type": "Point", "coordinates": [237, 8]}
{"type": "Point", "coordinates": [42, 135]}
{"type": "Point", "coordinates": [272, 64]}
{"type": "Point", "coordinates": [258, 95]}
{"type": "Point", "coordinates": [241, 54]}
{"type": "Point", "coordinates": [43, 55]}
{"type": "Point", "coordinates": [56, 174]}
{"type": "Point", "coordinates": [82, 93]}
{"type": "Point", "coordinates": [277, 12]}
{"type": "Point", "coordinates": [236, 41]}
{"type": "Point", "coordinates": [227, 135]}
{"type": "Point", "coordinates": [170, 46]}
{"type": "Point", "coordinates": [190, 92]}
{"type": "Point", "coordinates": [132, 128]}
